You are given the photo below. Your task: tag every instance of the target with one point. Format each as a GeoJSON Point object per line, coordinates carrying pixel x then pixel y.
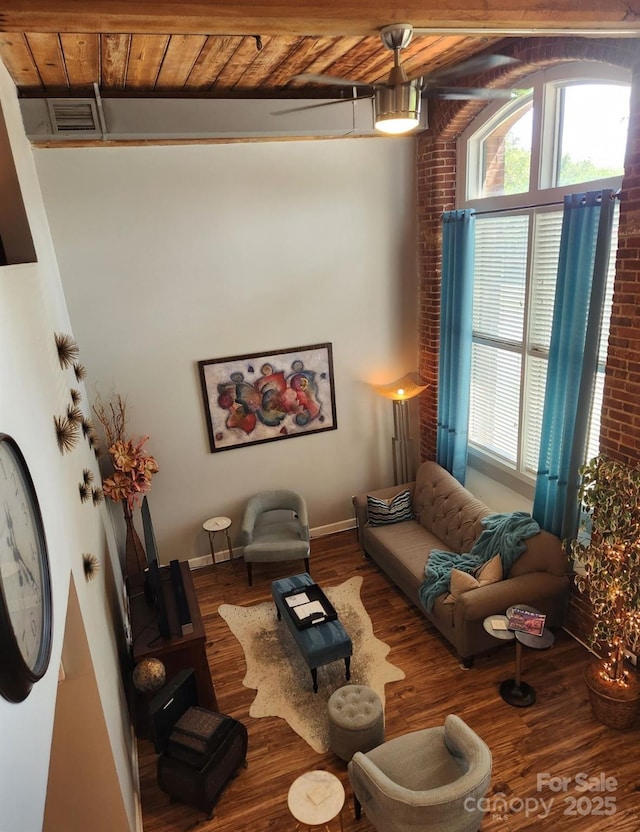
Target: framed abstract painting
{"type": "Point", "coordinates": [266, 396]}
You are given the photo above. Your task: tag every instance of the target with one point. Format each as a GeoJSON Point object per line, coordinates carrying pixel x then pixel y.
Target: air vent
{"type": "Point", "coordinates": [73, 116]}
{"type": "Point", "coordinates": [118, 119]}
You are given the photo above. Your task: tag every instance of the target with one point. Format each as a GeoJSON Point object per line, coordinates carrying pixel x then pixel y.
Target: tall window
{"type": "Point", "coordinates": [564, 132]}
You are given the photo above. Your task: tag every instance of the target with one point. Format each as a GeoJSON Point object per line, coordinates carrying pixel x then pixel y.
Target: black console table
{"type": "Point", "coordinates": [178, 651]}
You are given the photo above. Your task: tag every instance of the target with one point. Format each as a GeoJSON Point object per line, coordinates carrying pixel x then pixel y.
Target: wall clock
{"type": "Point", "coordinates": [25, 583]}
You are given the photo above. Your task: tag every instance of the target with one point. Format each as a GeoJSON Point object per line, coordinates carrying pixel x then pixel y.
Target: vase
{"type": "Point", "coordinates": [614, 707]}
{"type": "Point", "coordinates": [135, 557]}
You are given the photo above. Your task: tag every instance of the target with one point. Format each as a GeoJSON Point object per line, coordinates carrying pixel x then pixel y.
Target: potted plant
{"type": "Point", "coordinates": [610, 555]}
{"type": "Point", "coordinates": [130, 480]}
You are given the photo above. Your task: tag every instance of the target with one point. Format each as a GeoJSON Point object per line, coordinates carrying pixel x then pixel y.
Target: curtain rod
{"type": "Point", "coordinates": [615, 195]}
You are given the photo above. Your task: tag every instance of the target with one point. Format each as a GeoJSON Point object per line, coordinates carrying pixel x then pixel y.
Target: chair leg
{"type": "Point", "coordinates": [306, 565]}
{"type": "Point", "coordinates": [357, 807]}
{"type": "Point", "coordinates": [249, 576]}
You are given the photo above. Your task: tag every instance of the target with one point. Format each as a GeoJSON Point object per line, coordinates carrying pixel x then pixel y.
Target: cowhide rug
{"type": "Point", "coordinates": [279, 674]}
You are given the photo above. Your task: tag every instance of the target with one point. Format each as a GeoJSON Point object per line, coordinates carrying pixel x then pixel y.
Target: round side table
{"type": "Point", "coordinates": [503, 633]}
{"type": "Point", "coordinates": [218, 524]}
{"type": "Point", "coordinates": [315, 799]}
{"type": "Point", "coordinates": [514, 691]}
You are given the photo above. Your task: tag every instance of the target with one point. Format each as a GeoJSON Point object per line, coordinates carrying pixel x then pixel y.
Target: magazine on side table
{"type": "Point", "coordinates": [527, 622]}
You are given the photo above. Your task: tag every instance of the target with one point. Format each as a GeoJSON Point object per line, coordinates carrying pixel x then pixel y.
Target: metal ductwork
{"type": "Point", "coordinates": [162, 119]}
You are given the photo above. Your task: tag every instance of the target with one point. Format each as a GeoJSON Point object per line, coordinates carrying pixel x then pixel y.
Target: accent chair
{"type": "Point", "coordinates": [431, 779]}
{"type": "Point", "coordinates": [275, 527]}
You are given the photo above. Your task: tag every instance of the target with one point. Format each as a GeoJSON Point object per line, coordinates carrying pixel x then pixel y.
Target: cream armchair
{"type": "Point", "coordinates": [275, 527]}
{"type": "Point", "coordinates": [432, 779]}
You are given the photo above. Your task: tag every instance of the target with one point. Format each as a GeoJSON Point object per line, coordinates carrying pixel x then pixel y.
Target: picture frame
{"type": "Point", "coordinates": [265, 396]}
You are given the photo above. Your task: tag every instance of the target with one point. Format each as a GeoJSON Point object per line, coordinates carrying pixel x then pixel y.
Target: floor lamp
{"type": "Point", "coordinates": [400, 392]}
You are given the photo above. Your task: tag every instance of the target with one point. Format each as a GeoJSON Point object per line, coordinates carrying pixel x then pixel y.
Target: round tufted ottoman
{"type": "Point", "coordinates": [356, 720]}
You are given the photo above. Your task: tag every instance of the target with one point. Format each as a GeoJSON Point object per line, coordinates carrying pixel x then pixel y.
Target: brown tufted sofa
{"type": "Point", "coordinates": [449, 517]}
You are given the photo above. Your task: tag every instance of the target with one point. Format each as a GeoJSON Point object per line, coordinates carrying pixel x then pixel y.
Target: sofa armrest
{"type": "Point", "coordinates": [496, 598]}
{"type": "Point", "coordinates": [360, 500]}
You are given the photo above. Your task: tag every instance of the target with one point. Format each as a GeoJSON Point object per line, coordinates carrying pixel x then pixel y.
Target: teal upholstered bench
{"type": "Point", "coordinates": [319, 644]}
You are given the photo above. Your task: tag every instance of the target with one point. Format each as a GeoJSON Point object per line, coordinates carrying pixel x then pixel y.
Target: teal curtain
{"type": "Point", "coordinates": [456, 329]}
{"type": "Point", "coordinates": [573, 355]}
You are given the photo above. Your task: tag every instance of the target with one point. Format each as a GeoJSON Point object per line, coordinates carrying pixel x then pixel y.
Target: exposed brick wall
{"type": "Point", "coordinates": [580, 619]}
{"type": "Point", "coordinates": [620, 431]}
{"type": "Point", "coordinates": [436, 193]}
{"type": "Point", "coordinates": [436, 170]}
{"type": "Point", "coordinates": [436, 166]}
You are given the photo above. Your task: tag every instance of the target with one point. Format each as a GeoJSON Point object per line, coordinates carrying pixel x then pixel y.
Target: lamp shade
{"type": "Point", "coordinates": [404, 388]}
{"type": "Point", "coordinates": [397, 108]}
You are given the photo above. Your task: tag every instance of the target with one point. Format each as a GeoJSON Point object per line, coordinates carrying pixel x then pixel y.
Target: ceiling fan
{"type": "Point", "coordinates": [397, 101]}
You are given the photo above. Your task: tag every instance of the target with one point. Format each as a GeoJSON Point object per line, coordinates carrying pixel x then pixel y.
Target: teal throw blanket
{"type": "Point", "coordinates": [503, 534]}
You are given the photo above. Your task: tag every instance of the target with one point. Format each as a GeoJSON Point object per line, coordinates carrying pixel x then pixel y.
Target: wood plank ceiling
{"type": "Point", "coordinates": [234, 65]}
{"type": "Point", "coordinates": [249, 49]}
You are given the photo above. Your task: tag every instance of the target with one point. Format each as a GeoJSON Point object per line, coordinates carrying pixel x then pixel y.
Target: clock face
{"type": "Point", "coordinates": [25, 589]}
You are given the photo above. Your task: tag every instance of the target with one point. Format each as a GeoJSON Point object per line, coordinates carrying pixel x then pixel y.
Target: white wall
{"type": "Point", "coordinates": [170, 255]}
{"type": "Point", "coordinates": [32, 389]}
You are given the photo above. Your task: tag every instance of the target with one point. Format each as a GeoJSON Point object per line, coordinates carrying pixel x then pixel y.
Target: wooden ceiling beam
{"type": "Point", "coordinates": [328, 18]}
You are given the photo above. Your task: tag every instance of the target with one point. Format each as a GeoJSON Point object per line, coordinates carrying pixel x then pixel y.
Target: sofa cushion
{"type": "Point", "coordinates": [490, 572]}
{"type": "Point", "coordinates": [395, 510]}
{"type": "Point", "coordinates": [383, 543]}
{"type": "Point", "coordinates": [461, 582]}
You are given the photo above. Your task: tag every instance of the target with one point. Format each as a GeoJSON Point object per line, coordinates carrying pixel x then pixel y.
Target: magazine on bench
{"type": "Point", "coordinates": [309, 606]}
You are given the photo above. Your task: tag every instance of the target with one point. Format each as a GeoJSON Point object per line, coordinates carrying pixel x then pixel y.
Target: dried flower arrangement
{"type": "Point", "coordinates": [133, 466]}
{"type": "Point", "coordinates": [131, 478]}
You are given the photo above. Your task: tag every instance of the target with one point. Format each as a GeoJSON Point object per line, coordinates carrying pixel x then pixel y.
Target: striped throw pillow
{"type": "Point", "coordinates": [395, 510]}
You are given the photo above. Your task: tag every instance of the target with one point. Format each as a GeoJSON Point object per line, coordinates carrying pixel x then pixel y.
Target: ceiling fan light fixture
{"type": "Point", "coordinates": [396, 126]}
{"type": "Point", "coordinates": [397, 108]}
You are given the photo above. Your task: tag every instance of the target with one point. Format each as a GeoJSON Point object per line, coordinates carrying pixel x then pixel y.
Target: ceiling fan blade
{"type": "Point", "coordinates": [479, 63]}
{"type": "Point", "coordinates": [465, 93]}
{"type": "Point", "coordinates": [328, 80]}
{"type": "Point", "coordinates": [317, 106]}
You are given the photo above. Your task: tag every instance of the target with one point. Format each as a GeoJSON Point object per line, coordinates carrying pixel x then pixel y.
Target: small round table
{"type": "Point", "coordinates": [502, 633]}
{"type": "Point", "coordinates": [218, 524]}
{"type": "Point", "coordinates": [514, 691]}
{"type": "Point", "coordinates": [315, 799]}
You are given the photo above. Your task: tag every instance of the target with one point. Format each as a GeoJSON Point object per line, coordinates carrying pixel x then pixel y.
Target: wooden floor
{"type": "Point", "coordinates": [533, 748]}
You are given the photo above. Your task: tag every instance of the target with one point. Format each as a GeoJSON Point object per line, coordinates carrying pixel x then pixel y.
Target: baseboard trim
{"type": "Point", "coordinates": [223, 556]}
{"type": "Point", "coordinates": [580, 641]}
{"type": "Point", "coordinates": [333, 528]}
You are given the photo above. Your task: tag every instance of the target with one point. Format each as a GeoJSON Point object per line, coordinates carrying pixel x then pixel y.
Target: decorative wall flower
{"type": "Point", "coordinates": [74, 413]}
{"type": "Point", "coordinates": [90, 566]}
{"type": "Point", "coordinates": [66, 433]}
{"type": "Point", "coordinates": [67, 348]}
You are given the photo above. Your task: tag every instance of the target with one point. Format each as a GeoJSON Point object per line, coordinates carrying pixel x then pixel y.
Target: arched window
{"type": "Point", "coordinates": [564, 132]}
